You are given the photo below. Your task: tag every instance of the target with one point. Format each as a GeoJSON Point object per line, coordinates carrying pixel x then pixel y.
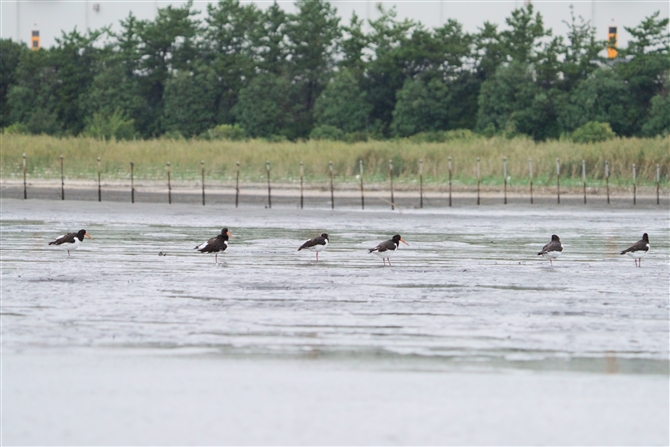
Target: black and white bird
{"type": "Point", "coordinates": [70, 241]}
{"type": "Point", "coordinates": [318, 244]}
{"type": "Point", "coordinates": [215, 244]}
{"type": "Point", "coordinates": [552, 250]}
{"type": "Point", "coordinates": [638, 249]}
{"type": "Point", "coordinates": [388, 248]}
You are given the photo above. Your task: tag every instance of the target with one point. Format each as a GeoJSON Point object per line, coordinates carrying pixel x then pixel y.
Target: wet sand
{"type": "Point", "coordinates": [468, 339]}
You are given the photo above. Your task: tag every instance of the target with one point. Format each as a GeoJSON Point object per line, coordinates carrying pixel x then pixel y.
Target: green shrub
{"type": "Point", "coordinates": [17, 129]}
{"type": "Point", "coordinates": [441, 136]}
{"type": "Point", "coordinates": [428, 137]}
{"type": "Point", "coordinates": [103, 126]}
{"type": "Point", "coordinates": [173, 135]}
{"type": "Point", "coordinates": [460, 134]}
{"type": "Point", "coordinates": [356, 137]}
{"type": "Point", "coordinates": [592, 132]}
{"type": "Point", "coordinates": [225, 132]}
{"type": "Point", "coordinates": [276, 139]}
{"type": "Point", "coordinates": [326, 132]}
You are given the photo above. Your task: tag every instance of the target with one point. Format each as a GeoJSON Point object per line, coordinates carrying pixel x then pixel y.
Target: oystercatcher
{"type": "Point", "coordinates": [638, 249]}
{"type": "Point", "coordinates": [552, 250]}
{"type": "Point", "coordinates": [316, 245]}
{"type": "Point", "coordinates": [215, 244]}
{"type": "Point", "coordinates": [70, 241]}
{"type": "Point", "coordinates": [387, 248]}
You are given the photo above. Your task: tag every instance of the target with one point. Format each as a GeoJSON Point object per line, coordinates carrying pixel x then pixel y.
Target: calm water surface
{"type": "Point", "coordinates": [468, 339]}
{"type": "Point", "coordinates": [469, 288]}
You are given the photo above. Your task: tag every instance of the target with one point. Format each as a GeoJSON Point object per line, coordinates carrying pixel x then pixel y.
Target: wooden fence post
{"type": "Point", "coordinates": [658, 184]}
{"type": "Point", "coordinates": [302, 175]}
{"type": "Point", "coordinates": [607, 179]}
{"type": "Point", "coordinates": [332, 189]}
{"type": "Point", "coordinates": [421, 183]}
{"type": "Point", "coordinates": [237, 185]}
{"type": "Point", "coordinates": [584, 178]}
{"type": "Point", "coordinates": [449, 181]}
{"type": "Point", "coordinates": [25, 185]}
{"type": "Point", "coordinates": [267, 168]}
{"type": "Point", "coordinates": [62, 179]}
{"type": "Point", "coordinates": [505, 179]}
{"type": "Point", "coordinates": [132, 182]}
{"type": "Point", "coordinates": [530, 171]}
{"type": "Point", "coordinates": [558, 180]}
{"type": "Point", "coordinates": [634, 184]}
{"type": "Point", "coordinates": [202, 173]}
{"type": "Point", "coordinates": [169, 185]}
{"type": "Point", "coordinates": [391, 178]}
{"type": "Point", "coordinates": [99, 185]}
{"type": "Point", "coordinates": [360, 168]}
{"type": "Point", "coordinates": [479, 172]}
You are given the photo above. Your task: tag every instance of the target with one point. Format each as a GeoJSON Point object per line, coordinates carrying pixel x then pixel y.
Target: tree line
{"type": "Point", "coordinates": [239, 71]}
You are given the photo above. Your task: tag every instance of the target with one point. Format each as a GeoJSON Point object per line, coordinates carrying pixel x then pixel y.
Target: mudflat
{"type": "Point", "coordinates": [468, 338]}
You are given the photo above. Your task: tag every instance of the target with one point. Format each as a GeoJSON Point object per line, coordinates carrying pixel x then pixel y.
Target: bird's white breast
{"type": "Point", "coordinates": [638, 254]}
{"type": "Point", "coordinates": [69, 245]}
{"type": "Point", "coordinates": [552, 254]}
{"type": "Point", "coordinates": [318, 247]}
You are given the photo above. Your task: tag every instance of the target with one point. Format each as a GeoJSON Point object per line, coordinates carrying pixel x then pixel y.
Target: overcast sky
{"type": "Point", "coordinates": [50, 17]}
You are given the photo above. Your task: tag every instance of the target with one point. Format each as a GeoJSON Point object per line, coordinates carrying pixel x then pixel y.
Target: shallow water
{"type": "Point", "coordinates": [469, 287]}
{"type": "Point", "coordinates": [468, 300]}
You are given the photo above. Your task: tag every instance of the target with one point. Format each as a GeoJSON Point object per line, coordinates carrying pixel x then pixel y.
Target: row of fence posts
{"type": "Point", "coordinates": [360, 165]}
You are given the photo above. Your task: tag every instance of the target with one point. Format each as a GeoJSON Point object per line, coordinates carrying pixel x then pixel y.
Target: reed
{"type": "Point", "coordinates": [150, 157]}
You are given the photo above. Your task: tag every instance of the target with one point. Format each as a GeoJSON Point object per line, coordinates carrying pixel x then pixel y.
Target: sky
{"type": "Point", "coordinates": [51, 17]}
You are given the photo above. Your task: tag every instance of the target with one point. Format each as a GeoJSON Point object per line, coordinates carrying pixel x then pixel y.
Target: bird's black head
{"type": "Point", "coordinates": [226, 232]}
{"type": "Point", "coordinates": [555, 238]}
{"type": "Point", "coordinates": [324, 235]}
{"type": "Point", "coordinates": [645, 237]}
{"type": "Point", "coordinates": [81, 234]}
{"type": "Point", "coordinates": [398, 239]}
{"type": "Point", "coordinates": [223, 236]}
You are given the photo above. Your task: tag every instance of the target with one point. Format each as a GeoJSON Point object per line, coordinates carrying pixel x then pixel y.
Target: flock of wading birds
{"type": "Point", "coordinates": [384, 250]}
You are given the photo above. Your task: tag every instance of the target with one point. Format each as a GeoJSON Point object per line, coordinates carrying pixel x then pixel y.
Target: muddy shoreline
{"type": "Point", "coordinates": [319, 196]}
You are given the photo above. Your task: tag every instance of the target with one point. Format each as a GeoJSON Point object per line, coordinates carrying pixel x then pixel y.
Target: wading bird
{"type": "Point", "coordinates": [552, 250]}
{"type": "Point", "coordinates": [215, 244]}
{"type": "Point", "coordinates": [70, 241]}
{"type": "Point", "coordinates": [638, 249]}
{"type": "Point", "coordinates": [388, 248]}
{"type": "Point", "coordinates": [316, 245]}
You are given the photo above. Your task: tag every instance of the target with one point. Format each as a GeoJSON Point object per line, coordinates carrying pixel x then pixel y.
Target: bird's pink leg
{"type": "Point", "coordinates": [216, 258]}
{"type": "Point", "coordinates": [389, 259]}
{"type": "Point", "coordinates": [317, 257]}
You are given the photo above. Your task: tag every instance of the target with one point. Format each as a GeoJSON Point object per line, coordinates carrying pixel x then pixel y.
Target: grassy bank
{"type": "Point", "coordinates": [220, 157]}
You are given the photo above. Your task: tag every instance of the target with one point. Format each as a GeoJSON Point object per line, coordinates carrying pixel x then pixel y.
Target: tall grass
{"type": "Point", "coordinates": [220, 157]}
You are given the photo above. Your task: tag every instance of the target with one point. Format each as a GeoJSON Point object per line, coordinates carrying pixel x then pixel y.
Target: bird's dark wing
{"type": "Point", "coordinates": [551, 246]}
{"type": "Point", "coordinates": [313, 242]}
{"type": "Point", "coordinates": [213, 245]}
{"type": "Point", "coordinates": [64, 239]}
{"type": "Point", "coordinates": [640, 245]}
{"type": "Point", "coordinates": [384, 246]}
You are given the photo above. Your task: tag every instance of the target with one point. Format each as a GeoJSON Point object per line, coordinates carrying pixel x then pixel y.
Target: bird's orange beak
{"type": "Point", "coordinates": [228, 233]}
{"type": "Point", "coordinates": [403, 241]}
{"type": "Point", "coordinates": [88, 236]}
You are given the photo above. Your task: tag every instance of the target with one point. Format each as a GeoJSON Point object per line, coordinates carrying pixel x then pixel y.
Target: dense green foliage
{"type": "Point", "coordinates": [280, 75]}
